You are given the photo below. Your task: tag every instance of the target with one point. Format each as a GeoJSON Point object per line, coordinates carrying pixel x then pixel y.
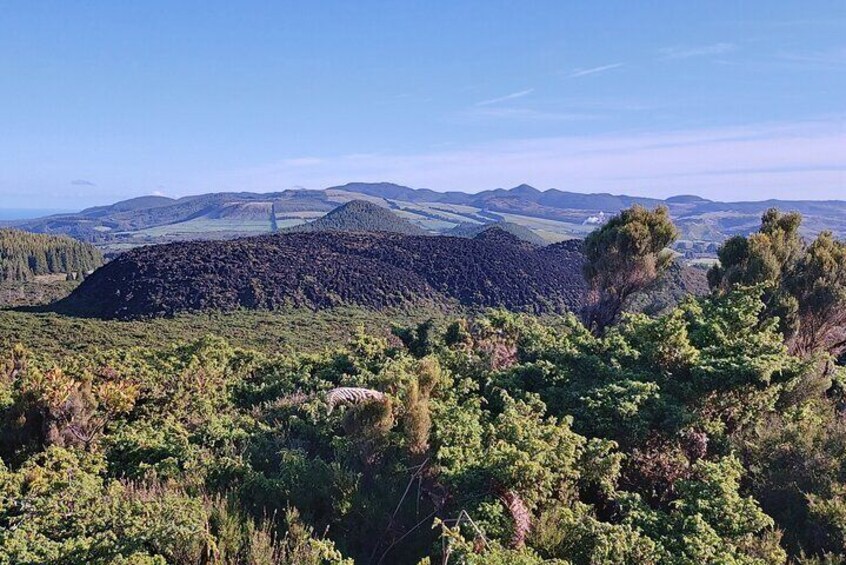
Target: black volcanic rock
{"type": "Point", "coordinates": [324, 269]}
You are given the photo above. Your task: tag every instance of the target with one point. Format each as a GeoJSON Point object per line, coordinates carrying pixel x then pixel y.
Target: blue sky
{"type": "Point", "coordinates": [104, 100]}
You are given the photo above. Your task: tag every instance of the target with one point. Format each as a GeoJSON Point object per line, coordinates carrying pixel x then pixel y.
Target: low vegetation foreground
{"type": "Point", "coordinates": [710, 431]}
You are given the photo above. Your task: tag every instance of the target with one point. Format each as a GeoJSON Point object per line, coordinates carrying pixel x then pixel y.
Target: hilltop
{"type": "Point", "coordinates": [361, 216]}
{"type": "Point", "coordinates": [520, 232]}
{"type": "Point", "coordinates": [375, 270]}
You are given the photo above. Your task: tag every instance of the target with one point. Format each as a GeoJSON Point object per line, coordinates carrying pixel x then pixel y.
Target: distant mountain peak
{"type": "Point", "coordinates": [131, 204]}
{"type": "Point", "coordinates": [559, 213]}
{"type": "Point", "coordinates": [524, 189]}
{"type": "Point", "coordinates": [373, 185]}
{"type": "Point", "coordinates": [356, 207]}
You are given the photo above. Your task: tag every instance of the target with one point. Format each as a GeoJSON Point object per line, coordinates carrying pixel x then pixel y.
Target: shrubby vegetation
{"type": "Point", "coordinates": [289, 329]}
{"type": "Point", "coordinates": [805, 283]}
{"type": "Point", "coordinates": [23, 255]}
{"type": "Point", "coordinates": [15, 294]}
{"type": "Point", "coordinates": [698, 436]}
{"type": "Point", "coordinates": [626, 255]}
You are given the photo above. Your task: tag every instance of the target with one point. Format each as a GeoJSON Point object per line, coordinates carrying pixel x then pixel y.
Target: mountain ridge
{"type": "Point", "coordinates": [553, 213]}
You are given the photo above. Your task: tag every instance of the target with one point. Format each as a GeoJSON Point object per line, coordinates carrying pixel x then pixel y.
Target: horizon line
{"type": "Point", "coordinates": [299, 188]}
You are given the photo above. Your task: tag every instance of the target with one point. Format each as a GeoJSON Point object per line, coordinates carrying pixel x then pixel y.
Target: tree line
{"type": "Point", "coordinates": [24, 256]}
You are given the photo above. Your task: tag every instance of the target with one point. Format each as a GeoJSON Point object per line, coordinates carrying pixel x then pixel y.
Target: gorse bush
{"type": "Point", "coordinates": [624, 256]}
{"type": "Point", "coordinates": [666, 440]}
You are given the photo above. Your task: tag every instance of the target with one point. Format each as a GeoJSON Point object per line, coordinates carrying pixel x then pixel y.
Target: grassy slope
{"type": "Point", "coordinates": [208, 225]}
{"type": "Point", "coordinates": [292, 329]}
{"type": "Point", "coordinates": [35, 293]}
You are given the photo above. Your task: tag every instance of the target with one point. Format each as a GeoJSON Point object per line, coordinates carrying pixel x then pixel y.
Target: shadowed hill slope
{"type": "Point", "coordinates": [324, 269]}
{"type": "Point", "coordinates": [666, 292]}
{"type": "Point", "coordinates": [360, 216]}
{"type": "Point", "coordinates": [518, 231]}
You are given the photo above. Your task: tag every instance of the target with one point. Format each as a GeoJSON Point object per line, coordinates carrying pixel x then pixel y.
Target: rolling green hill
{"type": "Point", "coordinates": [361, 216]}
{"type": "Point", "coordinates": [553, 214]}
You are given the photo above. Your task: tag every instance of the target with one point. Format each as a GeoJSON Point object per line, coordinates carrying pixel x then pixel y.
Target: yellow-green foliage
{"type": "Point", "coordinates": [665, 441]}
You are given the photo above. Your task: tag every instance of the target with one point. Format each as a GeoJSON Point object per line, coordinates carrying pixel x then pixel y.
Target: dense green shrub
{"type": "Point", "coordinates": [671, 440]}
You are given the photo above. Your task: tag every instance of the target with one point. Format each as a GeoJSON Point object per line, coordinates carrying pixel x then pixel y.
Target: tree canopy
{"type": "Point", "coordinates": [805, 283]}
{"type": "Point", "coordinates": [24, 255]}
{"type": "Point", "coordinates": [624, 256]}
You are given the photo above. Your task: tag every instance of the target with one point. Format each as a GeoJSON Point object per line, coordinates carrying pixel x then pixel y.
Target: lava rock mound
{"type": "Point", "coordinates": [325, 269]}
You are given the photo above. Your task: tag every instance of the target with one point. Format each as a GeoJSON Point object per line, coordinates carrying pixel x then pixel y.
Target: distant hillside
{"type": "Point", "coordinates": [361, 216]}
{"type": "Point", "coordinates": [139, 203]}
{"type": "Point", "coordinates": [520, 232]}
{"type": "Point", "coordinates": [23, 256]}
{"type": "Point", "coordinates": [666, 292]}
{"type": "Point", "coordinates": [552, 214]}
{"type": "Point", "coordinates": [324, 269]}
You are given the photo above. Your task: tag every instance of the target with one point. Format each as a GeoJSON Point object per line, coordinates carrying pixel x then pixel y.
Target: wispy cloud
{"type": "Point", "coordinates": [528, 114]}
{"type": "Point", "coordinates": [576, 73]}
{"type": "Point", "coordinates": [832, 58]}
{"type": "Point", "coordinates": [512, 96]}
{"type": "Point", "coordinates": [82, 182]}
{"type": "Point", "coordinates": [756, 161]}
{"type": "Point", "coordinates": [800, 22]}
{"type": "Point", "coordinates": [697, 51]}
{"type": "Point", "coordinates": [302, 162]}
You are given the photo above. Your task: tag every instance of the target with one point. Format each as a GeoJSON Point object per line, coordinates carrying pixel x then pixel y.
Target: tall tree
{"type": "Point", "coordinates": [806, 284]}
{"type": "Point", "coordinates": [624, 256]}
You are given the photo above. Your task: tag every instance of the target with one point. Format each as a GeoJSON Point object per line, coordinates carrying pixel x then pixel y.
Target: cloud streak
{"type": "Point", "coordinates": [82, 182]}
{"type": "Point", "coordinates": [831, 59]}
{"type": "Point", "coordinates": [525, 114]}
{"type": "Point", "coordinates": [507, 97]}
{"type": "Point", "coordinates": [700, 51]}
{"type": "Point", "coordinates": [796, 160]}
{"type": "Point", "coordinates": [576, 73]}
